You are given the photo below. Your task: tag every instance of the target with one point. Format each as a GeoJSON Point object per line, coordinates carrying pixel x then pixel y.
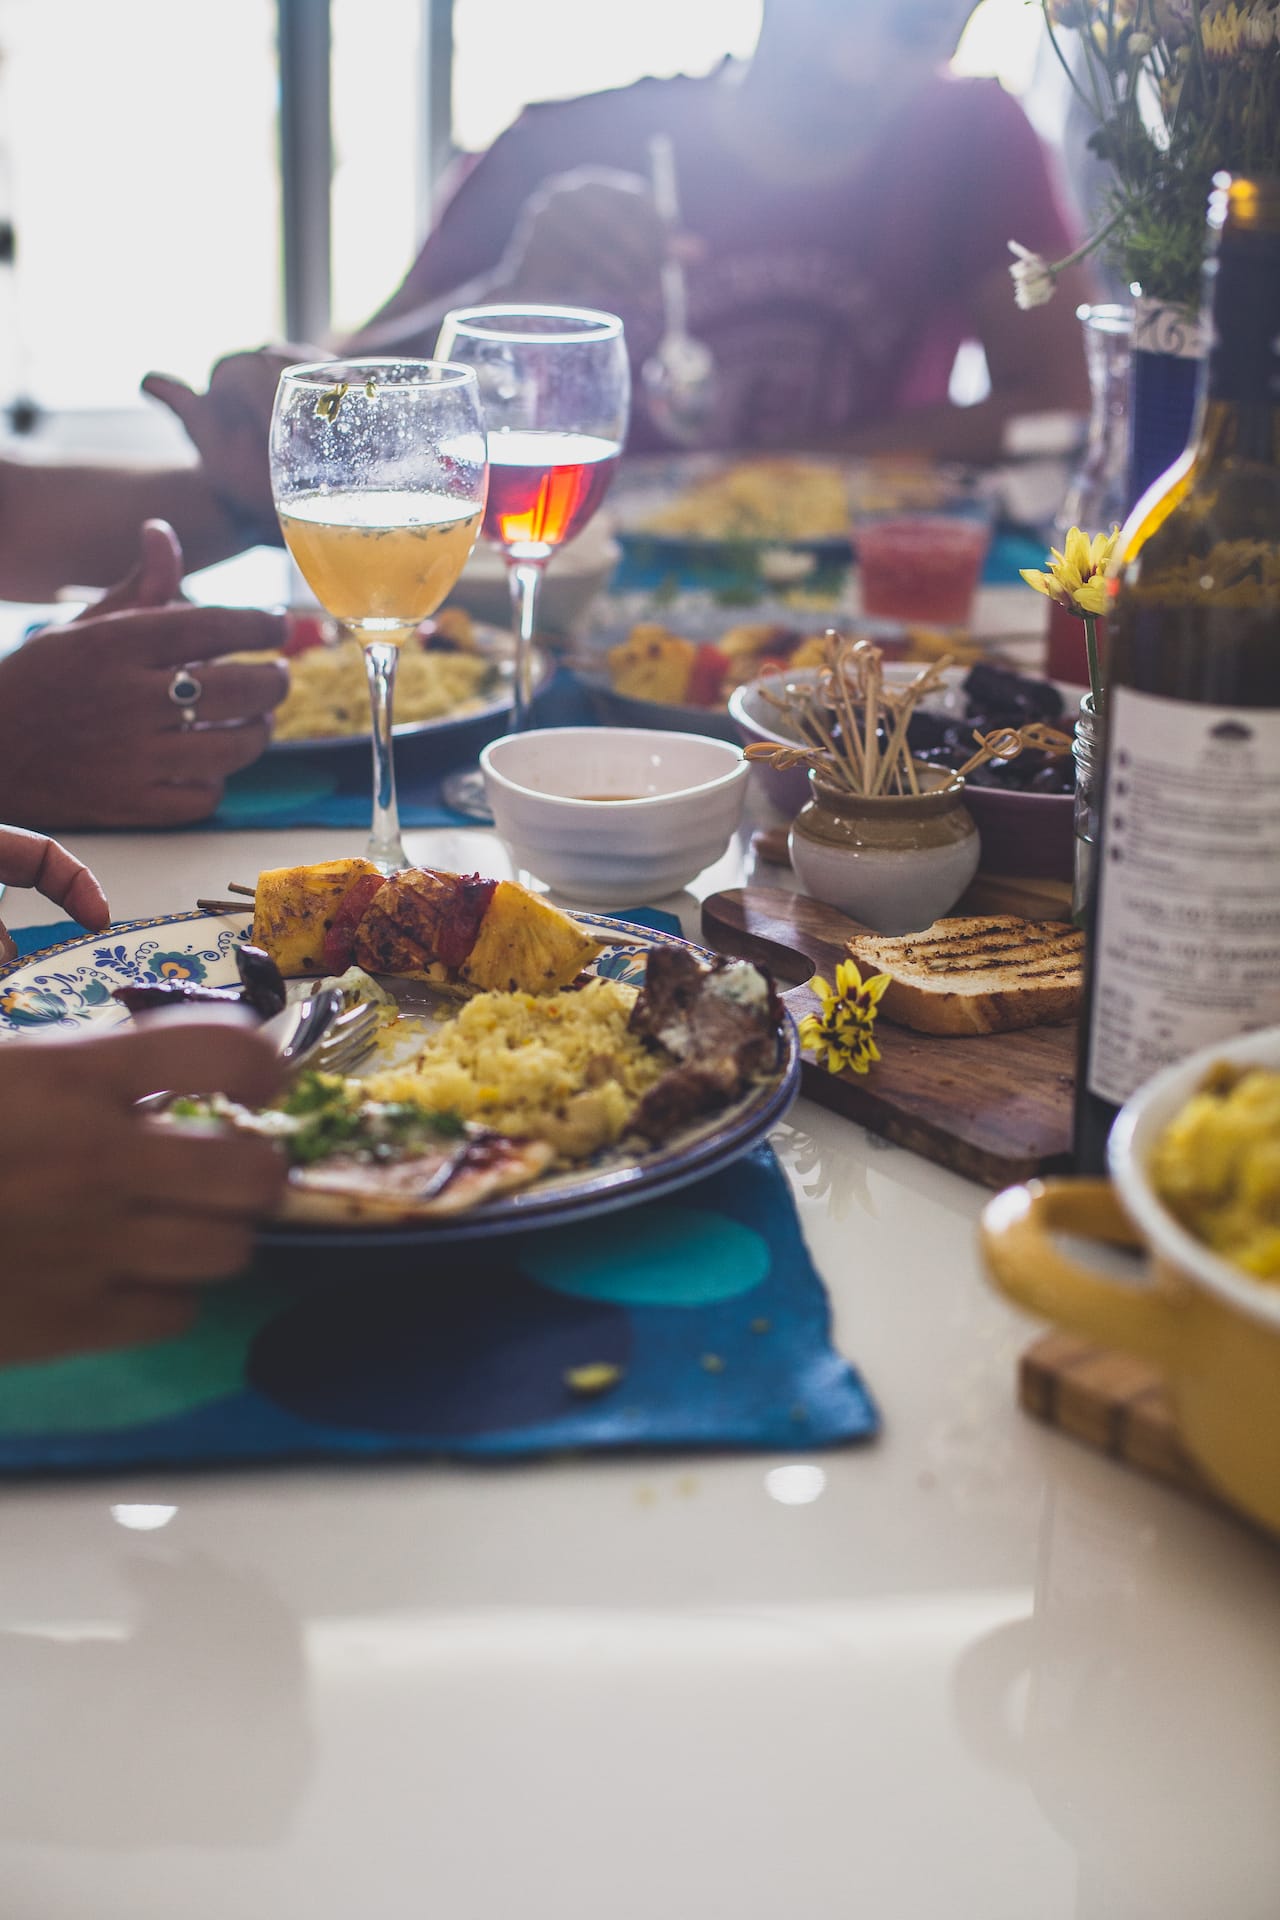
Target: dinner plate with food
{"type": "Point", "coordinates": [532, 1066]}
{"type": "Point", "coordinates": [455, 672]}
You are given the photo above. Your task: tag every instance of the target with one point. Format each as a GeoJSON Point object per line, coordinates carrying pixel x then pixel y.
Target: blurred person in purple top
{"type": "Point", "coordinates": [847, 206]}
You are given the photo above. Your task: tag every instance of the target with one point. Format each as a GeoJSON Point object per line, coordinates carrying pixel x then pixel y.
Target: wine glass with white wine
{"type": "Point", "coordinates": [379, 474]}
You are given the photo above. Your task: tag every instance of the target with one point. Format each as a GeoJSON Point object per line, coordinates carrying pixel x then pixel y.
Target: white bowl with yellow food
{"type": "Point", "coordinates": [614, 816]}
{"type": "Point", "coordinates": [1195, 1180]}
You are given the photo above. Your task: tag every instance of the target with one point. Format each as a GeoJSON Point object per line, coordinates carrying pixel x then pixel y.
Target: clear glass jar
{"type": "Point", "coordinates": [1097, 494]}
{"type": "Point", "coordinates": [1087, 752]}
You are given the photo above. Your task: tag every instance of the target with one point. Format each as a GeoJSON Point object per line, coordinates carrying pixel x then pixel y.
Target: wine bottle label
{"type": "Point", "coordinates": [1187, 935]}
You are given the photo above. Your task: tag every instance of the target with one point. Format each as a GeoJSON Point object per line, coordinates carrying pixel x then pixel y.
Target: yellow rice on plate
{"type": "Point", "coordinates": [329, 695]}
{"type": "Point", "coordinates": [558, 1067]}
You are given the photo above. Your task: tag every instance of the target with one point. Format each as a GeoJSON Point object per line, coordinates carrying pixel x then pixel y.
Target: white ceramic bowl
{"type": "Point", "coordinates": [680, 798]}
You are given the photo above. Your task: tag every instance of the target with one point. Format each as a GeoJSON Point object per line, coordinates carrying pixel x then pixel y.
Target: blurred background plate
{"type": "Point", "coordinates": [647, 484]}
{"type": "Point", "coordinates": [705, 620]}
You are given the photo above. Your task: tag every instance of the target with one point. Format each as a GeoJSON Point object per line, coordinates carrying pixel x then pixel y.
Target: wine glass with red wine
{"type": "Point", "coordinates": [555, 392]}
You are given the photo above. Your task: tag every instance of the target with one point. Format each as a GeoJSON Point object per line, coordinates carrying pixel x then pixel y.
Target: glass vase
{"type": "Point", "coordinates": [1097, 494]}
{"type": "Point", "coordinates": [1087, 752]}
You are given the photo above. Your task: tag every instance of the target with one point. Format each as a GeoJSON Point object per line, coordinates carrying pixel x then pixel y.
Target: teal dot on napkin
{"type": "Point", "coordinates": [665, 1256]}
{"type": "Point", "coordinates": [100, 1392]}
{"type": "Point", "coordinates": [263, 792]}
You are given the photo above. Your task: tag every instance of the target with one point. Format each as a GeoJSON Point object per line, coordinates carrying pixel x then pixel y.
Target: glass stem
{"type": "Point", "coordinates": [524, 577]}
{"type": "Point", "coordinates": [385, 848]}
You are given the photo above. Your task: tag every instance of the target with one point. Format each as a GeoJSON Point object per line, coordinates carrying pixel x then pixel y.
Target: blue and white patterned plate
{"type": "Point", "coordinates": [68, 988]}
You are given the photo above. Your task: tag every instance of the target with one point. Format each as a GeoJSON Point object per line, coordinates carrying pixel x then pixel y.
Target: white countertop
{"type": "Point", "coordinates": [971, 1670]}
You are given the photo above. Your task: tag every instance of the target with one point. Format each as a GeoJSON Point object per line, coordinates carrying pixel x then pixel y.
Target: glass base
{"type": "Point", "coordinates": [465, 793]}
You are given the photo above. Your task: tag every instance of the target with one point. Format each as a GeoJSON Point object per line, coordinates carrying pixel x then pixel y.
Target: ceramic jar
{"type": "Point", "coordinates": [894, 862]}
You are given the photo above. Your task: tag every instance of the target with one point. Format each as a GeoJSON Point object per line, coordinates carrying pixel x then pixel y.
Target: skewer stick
{"type": "Point", "coordinates": [848, 721]}
{"type": "Point", "coordinates": [250, 893]}
{"type": "Point", "coordinates": [1003, 743]}
{"type": "Point", "coordinates": [222, 906]}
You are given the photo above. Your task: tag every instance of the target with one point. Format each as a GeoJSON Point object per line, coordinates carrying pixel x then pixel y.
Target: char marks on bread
{"type": "Point", "coordinates": [978, 975]}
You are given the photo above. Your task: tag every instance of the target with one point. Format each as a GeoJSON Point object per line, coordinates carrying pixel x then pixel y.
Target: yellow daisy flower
{"type": "Point", "coordinates": [1077, 576]}
{"type": "Point", "coordinates": [841, 1035]}
{"type": "Point", "coordinates": [1222, 34]}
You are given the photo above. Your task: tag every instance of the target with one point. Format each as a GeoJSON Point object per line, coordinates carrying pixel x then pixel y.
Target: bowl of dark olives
{"type": "Point", "coordinates": [1024, 808]}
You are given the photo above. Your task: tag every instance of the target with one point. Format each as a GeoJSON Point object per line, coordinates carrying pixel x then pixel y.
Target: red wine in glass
{"type": "Point", "coordinates": [544, 486]}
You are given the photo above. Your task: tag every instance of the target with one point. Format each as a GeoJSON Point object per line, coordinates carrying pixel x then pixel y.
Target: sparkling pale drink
{"type": "Point", "coordinates": [379, 556]}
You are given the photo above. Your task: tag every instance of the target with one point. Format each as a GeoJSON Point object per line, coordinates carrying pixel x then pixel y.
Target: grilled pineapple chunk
{"type": "Point", "coordinates": [294, 906]}
{"type": "Point", "coordinates": [525, 945]}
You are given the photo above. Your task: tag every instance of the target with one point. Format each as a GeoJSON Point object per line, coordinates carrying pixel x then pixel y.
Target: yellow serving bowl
{"type": "Point", "coordinates": [1213, 1331]}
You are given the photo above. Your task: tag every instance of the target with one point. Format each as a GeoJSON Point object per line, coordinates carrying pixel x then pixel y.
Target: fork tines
{"type": "Point", "coordinates": [346, 1043]}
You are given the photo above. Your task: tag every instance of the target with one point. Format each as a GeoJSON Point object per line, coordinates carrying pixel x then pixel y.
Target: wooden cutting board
{"type": "Point", "coordinates": [1112, 1402]}
{"type": "Point", "coordinates": [995, 1107]}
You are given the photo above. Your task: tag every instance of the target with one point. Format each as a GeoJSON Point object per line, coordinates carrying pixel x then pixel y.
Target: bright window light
{"type": "Point", "coordinates": [505, 56]}
{"type": "Point", "coordinates": [138, 164]}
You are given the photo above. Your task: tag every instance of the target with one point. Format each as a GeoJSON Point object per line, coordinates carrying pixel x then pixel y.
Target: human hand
{"type": "Point", "coordinates": [89, 733]}
{"type": "Point", "coordinates": [228, 425]}
{"type": "Point", "coordinates": [593, 234]}
{"type": "Point", "coordinates": [112, 1219]}
{"type": "Point", "coordinates": [156, 581]}
{"type": "Point", "coordinates": [32, 860]}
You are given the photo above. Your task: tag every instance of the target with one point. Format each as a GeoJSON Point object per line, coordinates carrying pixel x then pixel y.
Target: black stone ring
{"type": "Point", "coordinates": [185, 691]}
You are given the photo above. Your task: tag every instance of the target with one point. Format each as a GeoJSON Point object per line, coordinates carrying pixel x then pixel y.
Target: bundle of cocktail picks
{"type": "Point", "coordinates": [852, 727]}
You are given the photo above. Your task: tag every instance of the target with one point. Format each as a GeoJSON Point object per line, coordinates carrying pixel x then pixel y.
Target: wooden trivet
{"type": "Point", "coordinates": [1116, 1404]}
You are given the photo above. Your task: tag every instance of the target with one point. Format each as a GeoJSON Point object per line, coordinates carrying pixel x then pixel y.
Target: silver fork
{"type": "Point", "coordinates": [341, 1047]}
{"type": "Point", "coordinates": [322, 1038]}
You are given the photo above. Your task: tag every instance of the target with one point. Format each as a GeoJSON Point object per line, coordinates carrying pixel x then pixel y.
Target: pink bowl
{"type": "Point", "coordinates": [1029, 835]}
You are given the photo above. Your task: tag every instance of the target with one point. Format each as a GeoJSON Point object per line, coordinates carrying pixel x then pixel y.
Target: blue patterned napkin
{"type": "Point", "coordinates": [704, 1308]}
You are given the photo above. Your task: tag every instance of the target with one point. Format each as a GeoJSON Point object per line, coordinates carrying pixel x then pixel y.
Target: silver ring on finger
{"type": "Point", "coordinates": [185, 691]}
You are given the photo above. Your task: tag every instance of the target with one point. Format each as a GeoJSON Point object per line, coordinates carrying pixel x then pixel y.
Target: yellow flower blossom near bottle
{"type": "Point", "coordinates": [1077, 580]}
{"type": "Point", "coordinates": [841, 1035]}
{"type": "Point", "coordinates": [1077, 576]}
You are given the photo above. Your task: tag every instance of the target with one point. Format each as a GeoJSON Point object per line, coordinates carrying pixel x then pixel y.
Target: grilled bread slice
{"type": "Point", "coordinates": [986, 974]}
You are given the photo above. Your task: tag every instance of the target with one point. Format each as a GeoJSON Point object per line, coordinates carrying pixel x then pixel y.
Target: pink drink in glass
{"type": "Point", "coordinates": [921, 566]}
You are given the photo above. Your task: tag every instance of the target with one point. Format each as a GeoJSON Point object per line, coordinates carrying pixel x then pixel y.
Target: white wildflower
{"type": "Point", "coordinates": [1140, 44]}
{"type": "Point", "coordinates": [1032, 277]}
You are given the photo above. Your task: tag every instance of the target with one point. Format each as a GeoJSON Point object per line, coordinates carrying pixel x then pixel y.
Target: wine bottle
{"type": "Point", "coordinates": [1184, 919]}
